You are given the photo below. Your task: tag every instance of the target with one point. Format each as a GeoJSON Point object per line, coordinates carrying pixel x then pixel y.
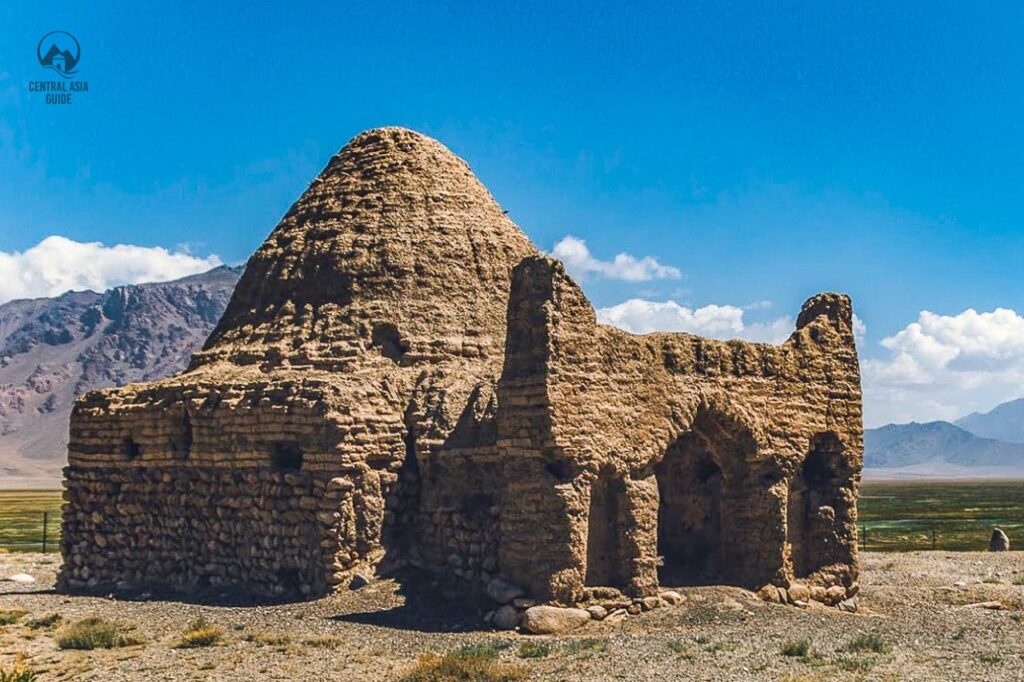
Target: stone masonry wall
{"type": "Point", "coordinates": [365, 337]}
{"type": "Point", "coordinates": [401, 378]}
{"type": "Point", "coordinates": [616, 402]}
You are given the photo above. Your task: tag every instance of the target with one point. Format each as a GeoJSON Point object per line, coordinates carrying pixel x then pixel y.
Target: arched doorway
{"type": "Point", "coordinates": [816, 508]}
{"type": "Point", "coordinates": [697, 503]}
{"type": "Point", "coordinates": [604, 525]}
{"type": "Point", "coordinates": [690, 513]}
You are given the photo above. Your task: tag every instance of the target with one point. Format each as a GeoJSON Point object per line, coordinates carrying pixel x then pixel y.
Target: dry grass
{"type": "Point", "coordinates": [199, 634]}
{"type": "Point", "coordinates": [680, 648]}
{"type": "Point", "coordinates": [867, 642]}
{"type": "Point", "coordinates": [803, 650]}
{"type": "Point", "coordinates": [95, 633]}
{"type": "Point", "coordinates": [460, 666]}
{"type": "Point", "coordinates": [324, 642]}
{"type": "Point", "coordinates": [586, 645]}
{"type": "Point", "coordinates": [43, 621]}
{"type": "Point", "coordinates": [11, 617]}
{"type": "Point", "coordinates": [18, 673]}
{"type": "Point", "coordinates": [797, 647]}
{"type": "Point", "coordinates": [534, 650]}
{"type": "Point", "coordinates": [268, 638]}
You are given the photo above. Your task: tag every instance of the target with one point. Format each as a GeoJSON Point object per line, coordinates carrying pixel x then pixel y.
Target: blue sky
{"type": "Point", "coordinates": [767, 151]}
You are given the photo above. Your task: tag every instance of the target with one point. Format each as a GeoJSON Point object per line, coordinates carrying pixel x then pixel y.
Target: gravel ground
{"type": "Point", "coordinates": [917, 603]}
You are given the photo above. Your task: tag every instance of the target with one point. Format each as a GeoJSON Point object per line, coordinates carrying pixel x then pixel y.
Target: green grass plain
{"type": "Point", "coordinates": [897, 516]}
{"type": "Point", "coordinates": [902, 516]}
{"type": "Point", "coordinates": [21, 519]}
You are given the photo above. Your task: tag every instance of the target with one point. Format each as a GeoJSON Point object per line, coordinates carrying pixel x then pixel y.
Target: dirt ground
{"type": "Point", "coordinates": [918, 604]}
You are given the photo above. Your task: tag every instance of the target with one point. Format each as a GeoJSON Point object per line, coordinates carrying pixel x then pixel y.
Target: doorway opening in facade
{"type": "Point", "coordinates": [814, 492]}
{"type": "Point", "coordinates": [604, 556]}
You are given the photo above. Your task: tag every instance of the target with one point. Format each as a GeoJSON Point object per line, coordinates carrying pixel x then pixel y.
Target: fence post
{"type": "Point", "coordinates": [933, 537]}
{"type": "Point", "coordinates": [46, 521]}
{"type": "Point", "coordinates": [864, 537]}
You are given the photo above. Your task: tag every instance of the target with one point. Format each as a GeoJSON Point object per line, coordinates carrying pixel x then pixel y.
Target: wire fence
{"type": "Point", "coordinates": [951, 535]}
{"type": "Point", "coordinates": [43, 536]}
{"type": "Point", "coordinates": [39, 531]}
{"type": "Point", "coordinates": [30, 532]}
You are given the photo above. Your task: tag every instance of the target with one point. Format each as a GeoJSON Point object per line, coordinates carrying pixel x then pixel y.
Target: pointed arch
{"type": "Point", "coordinates": [817, 510]}
{"type": "Point", "coordinates": [695, 513]}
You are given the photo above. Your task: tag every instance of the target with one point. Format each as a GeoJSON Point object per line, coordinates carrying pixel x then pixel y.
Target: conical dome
{"type": "Point", "coordinates": [395, 246]}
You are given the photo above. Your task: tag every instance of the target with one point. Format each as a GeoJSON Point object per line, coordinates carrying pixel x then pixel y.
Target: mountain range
{"type": "Point", "coordinates": [1005, 422]}
{"type": "Point", "coordinates": [54, 349]}
{"type": "Point", "coordinates": [938, 450]}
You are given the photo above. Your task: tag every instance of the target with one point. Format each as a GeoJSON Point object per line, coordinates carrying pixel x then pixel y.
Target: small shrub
{"type": "Point", "coordinates": [462, 667]}
{"type": "Point", "coordinates": [11, 617]}
{"type": "Point", "coordinates": [199, 634]}
{"type": "Point", "coordinates": [588, 644]}
{"type": "Point", "coordinates": [485, 649]}
{"type": "Point", "coordinates": [867, 642]}
{"type": "Point", "coordinates": [19, 673]}
{"type": "Point", "coordinates": [534, 650]}
{"type": "Point", "coordinates": [990, 658]}
{"type": "Point", "coordinates": [324, 642]}
{"type": "Point", "coordinates": [680, 648]}
{"type": "Point", "coordinates": [95, 633]}
{"type": "Point", "coordinates": [990, 580]}
{"type": "Point", "coordinates": [798, 648]}
{"type": "Point", "coordinates": [715, 647]}
{"type": "Point", "coordinates": [1018, 580]}
{"type": "Point", "coordinates": [44, 621]}
{"type": "Point", "coordinates": [268, 638]}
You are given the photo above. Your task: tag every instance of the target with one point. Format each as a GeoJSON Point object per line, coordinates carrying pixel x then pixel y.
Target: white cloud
{"type": "Point", "coordinates": [579, 262]}
{"type": "Point", "coordinates": [946, 366]}
{"type": "Point", "coordinates": [860, 330]}
{"type": "Point", "coordinates": [58, 264]}
{"type": "Point", "coordinates": [640, 316]}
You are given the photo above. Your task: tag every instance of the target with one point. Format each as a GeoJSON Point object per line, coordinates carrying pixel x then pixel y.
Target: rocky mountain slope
{"type": "Point", "coordinates": [939, 448]}
{"type": "Point", "coordinates": [53, 349]}
{"type": "Point", "coordinates": [1004, 422]}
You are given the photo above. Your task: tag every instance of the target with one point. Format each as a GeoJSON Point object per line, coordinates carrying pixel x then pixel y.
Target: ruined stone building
{"type": "Point", "coordinates": [401, 377]}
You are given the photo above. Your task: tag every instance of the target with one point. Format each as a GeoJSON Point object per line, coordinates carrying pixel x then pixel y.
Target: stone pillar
{"type": "Point", "coordinates": [543, 531]}
{"type": "Point", "coordinates": [753, 531]}
{"type": "Point", "coordinates": [638, 536]}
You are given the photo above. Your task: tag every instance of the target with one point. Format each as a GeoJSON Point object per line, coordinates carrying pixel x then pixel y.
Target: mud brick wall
{"type": "Point", "coordinates": [364, 338]}
{"type": "Point", "coordinates": [400, 377]}
{"type": "Point", "coordinates": [752, 451]}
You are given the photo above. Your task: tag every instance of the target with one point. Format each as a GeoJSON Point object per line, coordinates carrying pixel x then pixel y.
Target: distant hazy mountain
{"type": "Point", "coordinates": [1005, 422]}
{"type": "Point", "coordinates": [939, 449]}
{"type": "Point", "coordinates": [54, 349]}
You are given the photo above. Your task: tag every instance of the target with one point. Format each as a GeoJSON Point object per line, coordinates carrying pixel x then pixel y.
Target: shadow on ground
{"type": "Point", "coordinates": [430, 604]}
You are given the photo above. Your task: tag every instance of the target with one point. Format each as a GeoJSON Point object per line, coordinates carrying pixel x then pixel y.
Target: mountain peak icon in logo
{"type": "Point", "coordinates": [59, 50]}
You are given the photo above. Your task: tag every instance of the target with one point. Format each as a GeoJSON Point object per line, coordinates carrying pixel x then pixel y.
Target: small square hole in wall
{"type": "Point", "coordinates": [130, 449]}
{"type": "Point", "coordinates": [286, 457]}
{"type": "Point", "coordinates": [290, 580]}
